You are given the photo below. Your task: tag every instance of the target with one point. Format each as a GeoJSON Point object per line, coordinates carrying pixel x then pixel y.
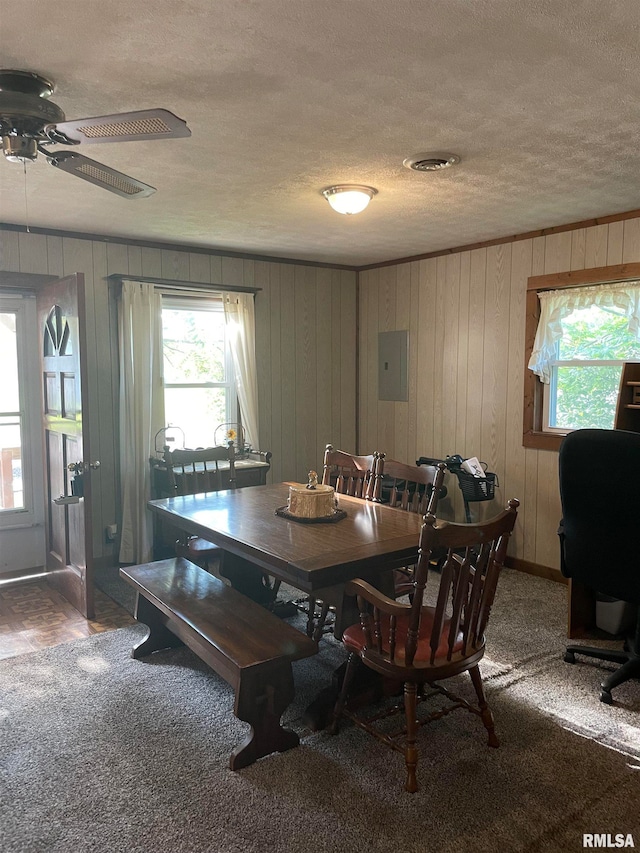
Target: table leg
{"type": "Point", "coordinates": [246, 577]}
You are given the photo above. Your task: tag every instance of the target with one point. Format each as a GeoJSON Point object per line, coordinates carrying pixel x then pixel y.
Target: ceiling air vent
{"type": "Point", "coordinates": [432, 162]}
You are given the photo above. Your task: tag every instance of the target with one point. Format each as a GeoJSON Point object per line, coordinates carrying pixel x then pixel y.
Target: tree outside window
{"type": "Point", "coordinates": [199, 389]}
{"type": "Point", "coordinates": [585, 377]}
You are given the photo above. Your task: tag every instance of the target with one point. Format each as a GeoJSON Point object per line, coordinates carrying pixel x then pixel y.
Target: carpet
{"type": "Point", "coordinates": [108, 579]}
{"type": "Point", "coordinates": [99, 752]}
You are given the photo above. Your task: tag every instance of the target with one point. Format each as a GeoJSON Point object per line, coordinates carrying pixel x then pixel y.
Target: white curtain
{"type": "Point", "coordinates": [555, 305]}
{"type": "Point", "coordinates": [239, 315]}
{"type": "Point", "coordinates": [141, 412]}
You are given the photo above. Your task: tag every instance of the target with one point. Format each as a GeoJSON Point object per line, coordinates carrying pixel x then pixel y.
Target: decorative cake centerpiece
{"type": "Point", "coordinates": [313, 500]}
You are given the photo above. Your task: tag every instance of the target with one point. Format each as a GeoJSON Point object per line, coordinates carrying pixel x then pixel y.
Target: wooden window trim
{"type": "Point", "coordinates": [532, 434]}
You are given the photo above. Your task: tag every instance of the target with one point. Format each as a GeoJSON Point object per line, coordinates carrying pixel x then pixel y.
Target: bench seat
{"type": "Point", "coordinates": [240, 640]}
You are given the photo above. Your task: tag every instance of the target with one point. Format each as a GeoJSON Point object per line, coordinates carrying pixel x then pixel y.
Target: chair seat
{"type": "Point", "coordinates": [200, 548]}
{"type": "Point", "coordinates": [354, 637]}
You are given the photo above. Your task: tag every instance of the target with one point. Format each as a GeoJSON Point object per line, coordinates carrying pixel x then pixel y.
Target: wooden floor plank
{"type": "Point", "coordinates": [34, 616]}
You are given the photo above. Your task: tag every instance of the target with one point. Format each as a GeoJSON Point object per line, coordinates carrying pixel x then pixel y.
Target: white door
{"type": "Point", "coordinates": [22, 540]}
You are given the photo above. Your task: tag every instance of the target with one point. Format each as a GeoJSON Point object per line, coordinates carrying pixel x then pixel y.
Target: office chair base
{"type": "Point", "coordinates": [629, 666]}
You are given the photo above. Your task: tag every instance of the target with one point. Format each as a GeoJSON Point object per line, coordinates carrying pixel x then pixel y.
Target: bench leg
{"type": "Point", "coordinates": [261, 701]}
{"type": "Point", "coordinates": [159, 636]}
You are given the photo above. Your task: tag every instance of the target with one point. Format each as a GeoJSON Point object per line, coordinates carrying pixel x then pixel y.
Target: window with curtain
{"type": "Point", "coordinates": [186, 359]}
{"type": "Point", "coordinates": [198, 372]}
{"type": "Point", "coordinates": [584, 336]}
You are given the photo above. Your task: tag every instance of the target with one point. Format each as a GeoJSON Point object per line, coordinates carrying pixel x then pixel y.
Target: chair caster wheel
{"type": "Point", "coordinates": [569, 657]}
{"type": "Point", "coordinates": [605, 696]}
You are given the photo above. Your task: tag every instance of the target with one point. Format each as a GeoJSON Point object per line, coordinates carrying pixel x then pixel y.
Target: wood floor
{"type": "Point", "coordinates": [34, 616]}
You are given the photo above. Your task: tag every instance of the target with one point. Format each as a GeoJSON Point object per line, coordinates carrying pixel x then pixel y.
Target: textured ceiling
{"type": "Point", "coordinates": [540, 98]}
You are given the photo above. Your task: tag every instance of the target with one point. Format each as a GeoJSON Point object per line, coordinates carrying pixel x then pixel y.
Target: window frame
{"type": "Point", "coordinates": [533, 434]}
{"type": "Point", "coordinates": [180, 301]}
{"type": "Point", "coordinates": [23, 305]}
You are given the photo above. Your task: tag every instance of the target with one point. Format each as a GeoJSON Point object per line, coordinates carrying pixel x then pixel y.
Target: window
{"type": "Point", "coordinates": [11, 417]}
{"type": "Point", "coordinates": [580, 327]}
{"type": "Point", "coordinates": [585, 373]}
{"type": "Point", "coordinates": [20, 435]}
{"type": "Point", "coordinates": [199, 387]}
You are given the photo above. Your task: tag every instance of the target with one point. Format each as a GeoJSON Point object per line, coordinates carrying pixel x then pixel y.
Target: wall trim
{"type": "Point", "coordinates": [171, 247]}
{"type": "Point", "coordinates": [22, 575]}
{"type": "Point", "coordinates": [485, 244]}
{"type": "Point", "coordinates": [227, 253]}
{"type": "Point", "coordinates": [536, 569]}
{"type": "Point", "coordinates": [24, 280]}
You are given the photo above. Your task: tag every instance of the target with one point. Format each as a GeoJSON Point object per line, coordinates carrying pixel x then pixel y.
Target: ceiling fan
{"type": "Point", "coordinates": [29, 122]}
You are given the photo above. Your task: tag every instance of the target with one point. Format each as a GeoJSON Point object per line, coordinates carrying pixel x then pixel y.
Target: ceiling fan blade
{"type": "Point", "coordinates": [99, 174]}
{"type": "Point", "coordinates": [125, 127]}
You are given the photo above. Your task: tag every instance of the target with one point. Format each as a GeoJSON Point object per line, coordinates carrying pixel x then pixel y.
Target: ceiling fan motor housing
{"type": "Point", "coordinates": [24, 113]}
{"type": "Point", "coordinates": [29, 122]}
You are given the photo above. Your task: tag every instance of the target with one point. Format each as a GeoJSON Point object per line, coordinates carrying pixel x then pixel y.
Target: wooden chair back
{"type": "Point", "coordinates": [208, 469]}
{"type": "Point", "coordinates": [350, 474]}
{"type": "Point", "coordinates": [415, 488]}
{"type": "Point", "coordinates": [429, 640]}
{"type": "Point", "coordinates": [467, 583]}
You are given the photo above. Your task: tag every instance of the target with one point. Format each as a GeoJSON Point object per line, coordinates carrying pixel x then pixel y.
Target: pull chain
{"type": "Point", "coordinates": [26, 199]}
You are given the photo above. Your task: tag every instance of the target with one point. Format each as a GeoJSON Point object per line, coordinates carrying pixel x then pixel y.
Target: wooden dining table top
{"type": "Point", "coordinates": [307, 556]}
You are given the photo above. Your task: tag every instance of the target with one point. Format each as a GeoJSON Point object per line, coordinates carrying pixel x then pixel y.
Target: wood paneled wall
{"type": "Point", "coordinates": [306, 347]}
{"type": "Point", "coordinates": [465, 313]}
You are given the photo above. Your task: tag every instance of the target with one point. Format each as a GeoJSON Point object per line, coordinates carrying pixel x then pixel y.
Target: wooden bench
{"type": "Point", "coordinates": [244, 643]}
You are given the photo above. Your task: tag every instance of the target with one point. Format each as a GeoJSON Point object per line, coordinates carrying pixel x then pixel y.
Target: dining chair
{"type": "Point", "coordinates": [349, 474]}
{"type": "Point", "coordinates": [420, 644]}
{"type": "Point", "coordinates": [209, 469]}
{"type": "Point", "coordinates": [414, 488]}
{"type": "Point", "coordinates": [190, 472]}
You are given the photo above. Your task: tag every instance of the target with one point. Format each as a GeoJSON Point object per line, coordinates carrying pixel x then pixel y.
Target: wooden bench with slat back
{"type": "Point", "coordinates": [244, 643]}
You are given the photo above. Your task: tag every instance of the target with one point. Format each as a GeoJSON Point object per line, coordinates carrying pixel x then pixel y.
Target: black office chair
{"type": "Point", "coordinates": [600, 545]}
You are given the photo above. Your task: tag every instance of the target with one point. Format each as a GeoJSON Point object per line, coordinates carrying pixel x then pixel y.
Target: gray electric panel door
{"type": "Point", "coordinates": [393, 363]}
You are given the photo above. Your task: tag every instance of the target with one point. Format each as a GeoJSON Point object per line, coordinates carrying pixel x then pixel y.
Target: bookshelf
{"type": "Point", "coordinates": [628, 408]}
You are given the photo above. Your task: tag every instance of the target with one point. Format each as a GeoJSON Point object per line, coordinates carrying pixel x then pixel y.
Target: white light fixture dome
{"type": "Point", "coordinates": [349, 198]}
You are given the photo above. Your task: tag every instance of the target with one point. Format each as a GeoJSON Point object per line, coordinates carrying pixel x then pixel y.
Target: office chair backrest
{"type": "Point", "coordinates": [600, 494]}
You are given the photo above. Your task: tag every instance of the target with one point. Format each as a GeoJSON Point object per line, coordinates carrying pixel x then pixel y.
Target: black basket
{"type": "Point", "coordinates": [477, 488]}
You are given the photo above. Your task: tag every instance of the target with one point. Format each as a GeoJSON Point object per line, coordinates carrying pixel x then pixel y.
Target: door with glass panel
{"type": "Point", "coordinates": [68, 464]}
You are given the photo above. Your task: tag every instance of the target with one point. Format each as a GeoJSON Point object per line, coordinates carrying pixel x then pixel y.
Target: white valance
{"type": "Point", "coordinates": [555, 305]}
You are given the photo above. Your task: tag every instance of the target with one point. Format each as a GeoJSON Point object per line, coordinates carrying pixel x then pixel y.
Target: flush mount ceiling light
{"type": "Point", "coordinates": [432, 162]}
{"type": "Point", "coordinates": [349, 198]}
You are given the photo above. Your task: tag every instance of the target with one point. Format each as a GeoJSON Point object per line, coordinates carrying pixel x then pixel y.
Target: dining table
{"type": "Point", "coordinates": [369, 541]}
{"type": "Point", "coordinates": [366, 540]}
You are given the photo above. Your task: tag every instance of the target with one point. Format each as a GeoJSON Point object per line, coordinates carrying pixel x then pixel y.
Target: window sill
{"type": "Point", "coordinates": [543, 440]}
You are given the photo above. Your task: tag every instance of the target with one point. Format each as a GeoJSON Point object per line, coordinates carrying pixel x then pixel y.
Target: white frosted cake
{"type": "Point", "coordinates": [318, 502]}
